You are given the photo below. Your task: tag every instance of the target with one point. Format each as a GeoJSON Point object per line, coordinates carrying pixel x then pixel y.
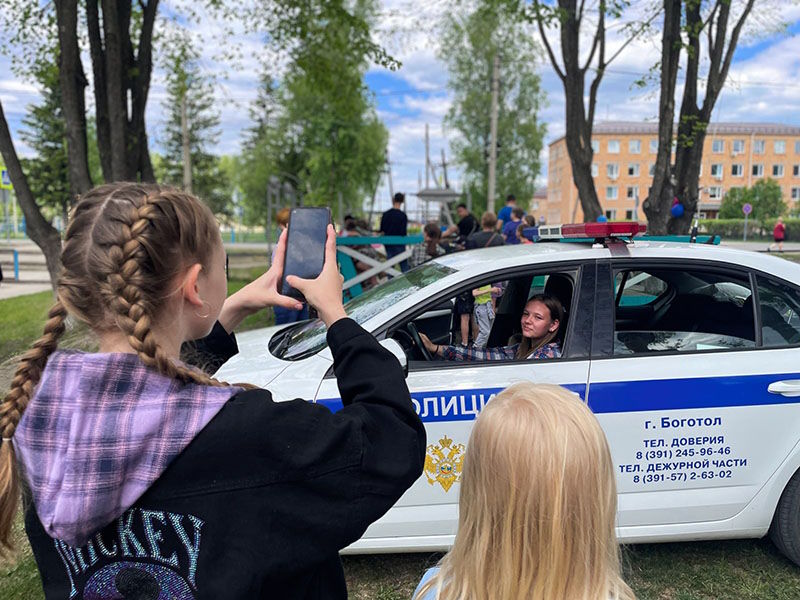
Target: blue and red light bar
{"type": "Point", "coordinates": [588, 231]}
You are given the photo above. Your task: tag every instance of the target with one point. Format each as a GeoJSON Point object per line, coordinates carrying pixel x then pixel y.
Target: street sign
{"type": "Point", "coordinates": [747, 208]}
{"type": "Point", "coordinates": [5, 180]}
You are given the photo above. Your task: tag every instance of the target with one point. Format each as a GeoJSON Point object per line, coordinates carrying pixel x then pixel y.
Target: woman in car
{"type": "Point", "coordinates": [540, 321]}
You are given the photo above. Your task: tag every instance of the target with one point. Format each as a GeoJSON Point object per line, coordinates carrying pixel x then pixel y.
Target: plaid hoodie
{"type": "Point", "coordinates": [99, 431]}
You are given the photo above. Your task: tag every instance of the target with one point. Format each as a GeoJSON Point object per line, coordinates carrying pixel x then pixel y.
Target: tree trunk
{"type": "Point", "coordinates": [100, 92]}
{"type": "Point", "coordinates": [73, 82]}
{"type": "Point", "coordinates": [659, 197]}
{"type": "Point", "coordinates": [115, 90]}
{"type": "Point", "coordinates": [140, 88]}
{"type": "Point", "coordinates": [40, 231]}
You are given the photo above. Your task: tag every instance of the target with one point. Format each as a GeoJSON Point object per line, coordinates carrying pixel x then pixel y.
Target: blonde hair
{"type": "Point", "coordinates": [537, 505]}
{"type": "Point", "coordinates": [124, 246]}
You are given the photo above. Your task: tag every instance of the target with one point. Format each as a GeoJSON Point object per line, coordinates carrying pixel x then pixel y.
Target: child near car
{"type": "Point", "coordinates": [537, 505]}
{"type": "Point", "coordinates": [485, 307]}
{"type": "Point", "coordinates": [146, 477]}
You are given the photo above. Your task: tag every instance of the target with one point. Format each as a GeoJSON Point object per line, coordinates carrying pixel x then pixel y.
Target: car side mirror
{"type": "Point", "coordinates": [395, 348]}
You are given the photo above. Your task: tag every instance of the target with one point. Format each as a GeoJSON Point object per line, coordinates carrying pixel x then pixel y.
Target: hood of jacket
{"type": "Point", "coordinates": [99, 431]}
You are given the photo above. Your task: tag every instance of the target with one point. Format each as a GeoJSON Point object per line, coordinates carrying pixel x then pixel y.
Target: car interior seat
{"type": "Point", "coordinates": [560, 287]}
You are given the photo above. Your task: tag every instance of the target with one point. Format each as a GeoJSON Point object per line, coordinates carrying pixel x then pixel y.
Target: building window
{"type": "Point", "coordinates": [737, 170]}
{"type": "Point", "coordinates": [797, 147]}
{"type": "Point", "coordinates": [611, 192]}
{"type": "Point", "coordinates": [738, 146]}
{"type": "Point", "coordinates": [796, 193]}
{"type": "Point", "coordinates": [613, 146]}
{"type": "Point", "coordinates": [758, 170]}
{"type": "Point", "coordinates": [654, 146]}
{"type": "Point", "coordinates": [595, 146]}
{"type": "Point", "coordinates": [651, 169]}
{"type": "Point", "coordinates": [634, 146]}
{"type": "Point", "coordinates": [777, 170]}
{"type": "Point", "coordinates": [595, 170]}
{"type": "Point", "coordinates": [633, 169]}
{"type": "Point", "coordinates": [632, 192]}
{"type": "Point", "coordinates": [718, 146]}
{"type": "Point", "coordinates": [796, 171]}
{"type": "Point", "coordinates": [612, 170]}
{"type": "Point", "coordinates": [715, 192]}
{"type": "Point", "coordinates": [611, 214]}
{"type": "Point", "coordinates": [629, 215]}
{"type": "Point", "coordinates": [780, 147]}
{"type": "Point", "coordinates": [758, 146]}
{"type": "Point", "coordinates": [716, 171]}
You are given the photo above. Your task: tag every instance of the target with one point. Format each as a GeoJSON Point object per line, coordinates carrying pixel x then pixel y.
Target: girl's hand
{"type": "Point", "coordinates": [260, 293]}
{"type": "Point", "coordinates": [325, 292]}
{"type": "Point", "coordinates": [429, 345]}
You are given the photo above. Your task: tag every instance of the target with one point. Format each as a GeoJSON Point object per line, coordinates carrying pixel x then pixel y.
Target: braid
{"type": "Point", "coordinates": [132, 311]}
{"type": "Point", "coordinates": [13, 405]}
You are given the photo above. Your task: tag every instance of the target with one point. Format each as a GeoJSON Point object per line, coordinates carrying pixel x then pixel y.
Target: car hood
{"type": "Point", "coordinates": [254, 363]}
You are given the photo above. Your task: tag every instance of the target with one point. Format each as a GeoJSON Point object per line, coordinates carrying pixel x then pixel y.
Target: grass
{"type": "Point", "coordinates": [727, 570]}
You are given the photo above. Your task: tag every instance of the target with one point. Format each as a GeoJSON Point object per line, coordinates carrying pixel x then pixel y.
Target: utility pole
{"type": "Point", "coordinates": [427, 158]}
{"type": "Point", "coordinates": [493, 135]}
{"type": "Point", "coordinates": [389, 172]}
{"type": "Point", "coordinates": [187, 157]}
{"type": "Point", "coordinates": [444, 169]}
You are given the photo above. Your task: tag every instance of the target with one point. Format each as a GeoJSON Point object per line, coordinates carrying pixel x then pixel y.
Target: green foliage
{"type": "Point", "coordinates": [185, 82]}
{"type": "Point", "coordinates": [316, 130]}
{"type": "Point", "coordinates": [734, 228]}
{"type": "Point", "coordinates": [469, 44]}
{"type": "Point", "coordinates": [765, 196]}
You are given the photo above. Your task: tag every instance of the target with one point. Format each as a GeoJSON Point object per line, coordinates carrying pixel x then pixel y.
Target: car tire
{"type": "Point", "coordinates": [785, 528]}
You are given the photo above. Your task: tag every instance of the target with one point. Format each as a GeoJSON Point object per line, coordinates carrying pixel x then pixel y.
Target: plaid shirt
{"type": "Point", "coordinates": [99, 431]}
{"type": "Point", "coordinates": [466, 353]}
{"type": "Point", "coordinates": [419, 254]}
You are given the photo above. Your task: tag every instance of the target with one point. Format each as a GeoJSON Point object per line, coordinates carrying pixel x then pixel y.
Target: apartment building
{"type": "Point", "coordinates": [734, 155]}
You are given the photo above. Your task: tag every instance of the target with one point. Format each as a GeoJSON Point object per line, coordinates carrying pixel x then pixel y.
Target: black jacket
{"type": "Point", "coordinates": [261, 501]}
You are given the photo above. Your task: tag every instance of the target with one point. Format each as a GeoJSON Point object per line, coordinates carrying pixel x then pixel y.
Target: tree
{"type": "Point", "coordinates": [570, 18]}
{"type": "Point", "coordinates": [468, 47]}
{"type": "Point", "coordinates": [188, 89]}
{"type": "Point", "coordinates": [316, 129]}
{"type": "Point", "coordinates": [765, 196]}
{"type": "Point", "coordinates": [685, 24]}
{"type": "Point", "coordinates": [48, 171]}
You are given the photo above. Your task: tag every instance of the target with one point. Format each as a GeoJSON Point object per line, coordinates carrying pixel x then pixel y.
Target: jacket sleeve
{"type": "Point", "coordinates": [210, 352]}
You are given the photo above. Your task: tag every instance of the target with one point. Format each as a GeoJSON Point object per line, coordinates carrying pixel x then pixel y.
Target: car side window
{"type": "Point", "coordinates": [681, 310]}
{"type": "Point", "coordinates": [780, 313]}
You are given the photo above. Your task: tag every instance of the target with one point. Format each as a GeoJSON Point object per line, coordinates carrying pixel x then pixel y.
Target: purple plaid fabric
{"type": "Point", "coordinates": [99, 431]}
{"type": "Point", "coordinates": [458, 353]}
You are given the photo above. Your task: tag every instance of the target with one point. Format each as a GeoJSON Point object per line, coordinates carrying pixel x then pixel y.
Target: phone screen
{"type": "Point", "coordinates": [305, 246]}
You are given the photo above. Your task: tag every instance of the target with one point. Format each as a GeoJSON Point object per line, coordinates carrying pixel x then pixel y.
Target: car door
{"type": "Point", "coordinates": [689, 393]}
{"type": "Point", "coordinates": [448, 396]}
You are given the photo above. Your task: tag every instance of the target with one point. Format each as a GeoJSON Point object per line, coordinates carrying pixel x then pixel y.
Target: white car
{"type": "Point", "coordinates": [689, 355]}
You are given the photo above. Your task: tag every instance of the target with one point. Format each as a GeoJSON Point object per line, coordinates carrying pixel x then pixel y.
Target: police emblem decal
{"type": "Point", "coordinates": [443, 462]}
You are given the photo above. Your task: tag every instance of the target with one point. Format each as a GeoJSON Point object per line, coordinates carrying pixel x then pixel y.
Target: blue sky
{"type": "Point", "coordinates": [763, 86]}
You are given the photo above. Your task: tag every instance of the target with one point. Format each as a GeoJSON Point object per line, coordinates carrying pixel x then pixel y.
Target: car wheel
{"type": "Point", "coordinates": [785, 528]}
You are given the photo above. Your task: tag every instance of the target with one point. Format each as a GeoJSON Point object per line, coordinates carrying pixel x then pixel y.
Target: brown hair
{"type": "Point", "coordinates": [282, 217]}
{"type": "Point", "coordinates": [432, 230]}
{"type": "Point", "coordinates": [124, 246]}
{"type": "Point", "coordinates": [553, 304]}
{"type": "Point", "coordinates": [488, 220]}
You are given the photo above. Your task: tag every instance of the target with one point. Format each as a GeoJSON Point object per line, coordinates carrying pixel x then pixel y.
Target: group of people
{"type": "Point", "coordinates": [144, 476]}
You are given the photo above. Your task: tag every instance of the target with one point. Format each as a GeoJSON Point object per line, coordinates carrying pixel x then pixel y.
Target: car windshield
{"type": "Point", "coordinates": [308, 338]}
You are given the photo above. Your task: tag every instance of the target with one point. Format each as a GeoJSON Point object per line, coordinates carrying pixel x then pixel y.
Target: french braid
{"type": "Point", "coordinates": [13, 405]}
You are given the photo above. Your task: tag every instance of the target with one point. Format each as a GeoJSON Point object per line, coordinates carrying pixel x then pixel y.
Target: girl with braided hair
{"type": "Point", "coordinates": [141, 473]}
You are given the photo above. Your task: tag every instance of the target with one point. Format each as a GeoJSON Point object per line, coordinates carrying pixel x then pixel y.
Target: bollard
{"type": "Point", "coordinates": [16, 265]}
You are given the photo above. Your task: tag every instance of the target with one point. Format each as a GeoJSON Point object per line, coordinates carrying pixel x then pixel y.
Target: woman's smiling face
{"type": "Point", "coordinates": [536, 320]}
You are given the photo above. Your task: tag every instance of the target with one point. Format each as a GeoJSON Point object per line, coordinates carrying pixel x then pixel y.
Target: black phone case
{"type": "Point", "coordinates": [293, 265]}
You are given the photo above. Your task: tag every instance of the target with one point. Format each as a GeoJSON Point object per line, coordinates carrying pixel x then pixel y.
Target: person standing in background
{"type": "Point", "coordinates": [287, 315]}
{"type": "Point", "coordinates": [504, 216]}
{"type": "Point", "coordinates": [395, 222]}
{"type": "Point", "coordinates": [467, 224]}
{"type": "Point", "coordinates": [510, 228]}
{"type": "Point", "coordinates": [778, 235]}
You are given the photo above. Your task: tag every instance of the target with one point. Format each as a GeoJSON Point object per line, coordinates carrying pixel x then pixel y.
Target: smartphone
{"type": "Point", "coordinates": [305, 246]}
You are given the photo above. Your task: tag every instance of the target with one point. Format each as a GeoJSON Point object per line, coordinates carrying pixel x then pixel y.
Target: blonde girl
{"type": "Point", "coordinates": [536, 508]}
{"type": "Point", "coordinates": [148, 478]}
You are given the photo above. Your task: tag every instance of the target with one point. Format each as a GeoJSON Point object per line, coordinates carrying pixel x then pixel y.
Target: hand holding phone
{"type": "Point", "coordinates": [325, 291]}
{"type": "Point", "coordinates": [305, 246]}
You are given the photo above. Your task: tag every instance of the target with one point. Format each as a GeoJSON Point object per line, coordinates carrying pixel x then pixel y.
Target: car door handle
{"type": "Point", "coordinates": [789, 387]}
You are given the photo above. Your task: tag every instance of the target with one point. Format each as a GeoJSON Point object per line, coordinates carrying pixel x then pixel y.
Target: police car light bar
{"type": "Point", "coordinates": [603, 230]}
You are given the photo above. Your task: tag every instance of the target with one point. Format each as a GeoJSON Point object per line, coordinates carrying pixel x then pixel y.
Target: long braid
{"type": "Point", "coordinates": [133, 313]}
{"type": "Point", "coordinates": [13, 405]}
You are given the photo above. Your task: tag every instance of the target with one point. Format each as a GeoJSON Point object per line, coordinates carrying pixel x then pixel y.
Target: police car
{"type": "Point", "coordinates": [688, 353]}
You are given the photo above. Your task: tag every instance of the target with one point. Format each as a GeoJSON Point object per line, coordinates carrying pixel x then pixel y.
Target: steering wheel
{"type": "Point", "coordinates": [412, 329]}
